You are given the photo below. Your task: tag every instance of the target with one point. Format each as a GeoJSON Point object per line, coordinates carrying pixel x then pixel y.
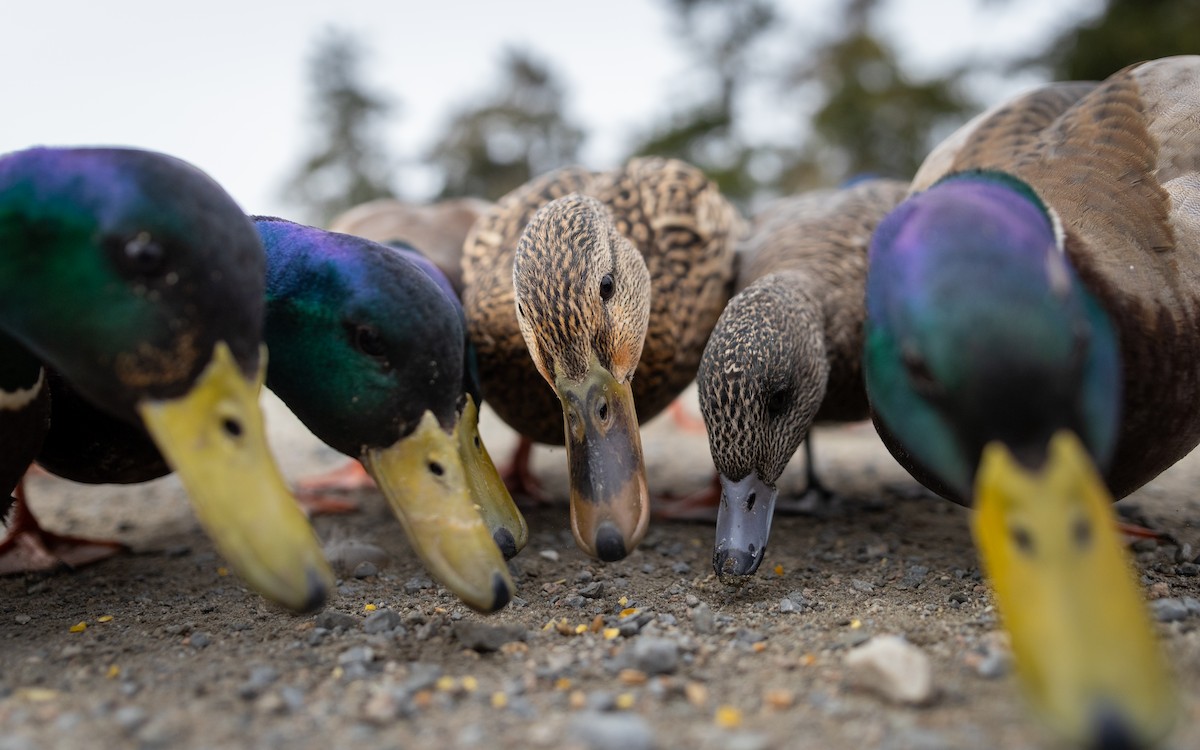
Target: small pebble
{"type": "Point", "coordinates": [653, 655]}
{"type": "Point", "coordinates": [787, 606]}
{"type": "Point", "coordinates": [1189, 569]}
{"type": "Point", "coordinates": [130, 718]}
{"type": "Point", "coordinates": [381, 621]}
{"type": "Point", "coordinates": [703, 620]}
{"type": "Point", "coordinates": [593, 590]}
{"type": "Point", "coordinates": [549, 554]}
{"type": "Point", "coordinates": [892, 667]}
{"type": "Point", "coordinates": [348, 555]}
{"type": "Point", "coordinates": [417, 583]}
{"type": "Point", "coordinates": [691, 600]}
{"type": "Point", "coordinates": [914, 575]}
{"type": "Point", "coordinates": [22, 619]}
{"type": "Point", "coordinates": [611, 731]}
{"type": "Point", "coordinates": [366, 569]}
{"type": "Point", "coordinates": [356, 655]}
{"type": "Point", "coordinates": [200, 639]}
{"type": "Point", "coordinates": [331, 618]}
{"type": "Point", "coordinates": [865, 587]}
{"type": "Point", "coordinates": [480, 637]}
{"type": "Point", "coordinates": [260, 679]}
{"type": "Point", "coordinates": [1169, 610]}
{"type": "Point", "coordinates": [681, 568]}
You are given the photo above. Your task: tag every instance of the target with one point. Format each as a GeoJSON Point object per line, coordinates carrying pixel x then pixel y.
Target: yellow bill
{"type": "Point", "coordinates": [422, 478]}
{"type": "Point", "coordinates": [610, 505]}
{"type": "Point", "coordinates": [214, 439]}
{"type": "Point", "coordinates": [1084, 645]}
{"type": "Point", "coordinates": [492, 498]}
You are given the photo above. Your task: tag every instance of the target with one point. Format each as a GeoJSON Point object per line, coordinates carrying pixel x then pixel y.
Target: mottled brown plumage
{"type": "Point", "coordinates": [787, 350]}
{"type": "Point", "coordinates": [1118, 164]}
{"type": "Point", "coordinates": [436, 229]}
{"type": "Point", "coordinates": [684, 230]}
{"type": "Point", "coordinates": [616, 272]}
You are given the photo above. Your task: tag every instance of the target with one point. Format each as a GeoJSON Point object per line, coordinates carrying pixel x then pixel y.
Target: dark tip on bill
{"type": "Point", "coordinates": [737, 562]}
{"type": "Point", "coordinates": [1113, 733]}
{"type": "Point", "coordinates": [506, 542]}
{"type": "Point", "coordinates": [610, 545]}
{"type": "Point", "coordinates": [500, 593]}
{"type": "Point", "coordinates": [316, 593]}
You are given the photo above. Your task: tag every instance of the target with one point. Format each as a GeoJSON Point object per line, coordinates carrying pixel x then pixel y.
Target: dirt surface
{"type": "Point", "coordinates": [176, 653]}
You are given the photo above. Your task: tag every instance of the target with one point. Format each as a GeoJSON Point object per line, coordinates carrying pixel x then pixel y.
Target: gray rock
{"type": "Point", "coordinates": [681, 568]}
{"type": "Point", "coordinates": [365, 569]}
{"type": "Point", "coordinates": [653, 655]}
{"type": "Point", "coordinates": [331, 618]}
{"type": "Point", "coordinates": [22, 619]}
{"type": "Point", "coordinates": [747, 741]}
{"type": "Point", "coordinates": [788, 607]}
{"type": "Point", "coordinates": [417, 583]}
{"type": "Point", "coordinates": [347, 555]}
{"type": "Point", "coordinates": [260, 679]}
{"type": "Point", "coordinates": [1189, 569]}
{"type": "Point", "coordinates": [356, 655]}
{"type": "Point", "coordinates": [483, 638]}
{"type": "Point", "coordinates": [865, 587]}
{"type": "Point", "coordinates": [611, 731]}
{"type": "Point", "coordinates": [702, 619]}
{"type": "Point", "coordinates": [130, 718]}
{"type": "Point", "coordinates": [914, 575]}
{"type": "Point", "coordinates": [1192, 604]}
{"type": "Point", "coordinates": [421, 676]}
{"type": "Point", "coordinates": [593, 590]}
{"type": "Point", "coordinates": [381, 621]}
{"type": "Point", "coordinates": [1169, 610]}
{"type": "Point", "coordinates": [200, 639]}
{"type": "Point", "coordinates": [893, 667]}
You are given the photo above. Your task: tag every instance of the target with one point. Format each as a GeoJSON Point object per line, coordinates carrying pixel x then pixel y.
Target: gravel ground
{"type": "Point", "coordinates": [650, 652]}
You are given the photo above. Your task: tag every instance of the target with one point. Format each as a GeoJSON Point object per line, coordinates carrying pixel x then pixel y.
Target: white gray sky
{"type": "Point", "coordinates": [222, 83]}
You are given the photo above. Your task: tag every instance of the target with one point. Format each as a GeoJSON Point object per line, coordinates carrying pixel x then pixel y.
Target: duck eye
{"type": "Point", "coordinates": [1023, 540]}
{"type": "Point", "coordinates": [368, 341]}
{"type": "Point", "coordinates": [141, 255]}
{"type": "Point", "coordinates": [778, 401]}
{"type": "Point", "coordinates": [919, 373]}
{"type": "Point", "coordinates": [607, 287]}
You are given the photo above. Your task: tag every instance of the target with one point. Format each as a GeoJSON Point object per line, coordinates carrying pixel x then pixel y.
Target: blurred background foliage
{"type": "Point", "coordinates": [864, 112]}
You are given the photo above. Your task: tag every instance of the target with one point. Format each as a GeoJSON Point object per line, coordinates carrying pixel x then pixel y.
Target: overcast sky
{"type": "Point", "coordinates": [222, 83]}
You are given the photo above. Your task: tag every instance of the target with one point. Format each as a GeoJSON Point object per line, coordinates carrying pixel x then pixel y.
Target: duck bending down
{"type": "Point", "coordinates": [582, 279]}
{"type": "Point", "coordinates": [370, 353]}
{"type": "Point", "coordinates": [138, 280]}
{"type": "Point", "coordinates": [1033, 324]}
{"type": "Point", "coordinates": [787, 351]}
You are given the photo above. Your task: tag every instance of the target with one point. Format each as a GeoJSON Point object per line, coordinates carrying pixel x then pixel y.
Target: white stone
{"type": "Point", "coordinates": [892, 667]}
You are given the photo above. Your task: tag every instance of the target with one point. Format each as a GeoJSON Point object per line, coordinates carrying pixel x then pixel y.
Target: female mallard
{"type": "Point", "coordinates": [369, 352]}
{"type": "Point", "coordinates": [584, 278]}
{"type": "Point", "coordinates": [140, 282]}
{"type": "Point", "coordinates": [786, 351]}
{"type": "Point", "coordinates": [1032, 335]}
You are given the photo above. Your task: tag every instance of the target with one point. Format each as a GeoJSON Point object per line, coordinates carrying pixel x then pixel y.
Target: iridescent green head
{"type": "Point", "coordinates": [979, 330]}
{"type": "Point", "coordinates": [118, 266]}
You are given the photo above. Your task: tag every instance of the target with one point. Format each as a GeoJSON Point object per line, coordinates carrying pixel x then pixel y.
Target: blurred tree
{"type": "Point", "coordinates": [1123, 32]}
{"type": "Point", "coordinates": [870, 118]}
{"type": "Point", "coordinates": [348, 163]}
{"type": "Point", "coordinates": [723, 37]}
{"type": "Point", "coordinates": [508, 138]}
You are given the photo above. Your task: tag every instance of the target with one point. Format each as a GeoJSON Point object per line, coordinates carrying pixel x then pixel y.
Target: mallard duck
{"type": "Point", "coordinates": [583, 279]}
{"type": "Point", "coordinates": [437, 230]}
{"type": "Point", "coordinates": [138, 280]}
{"type": "Point", "coordinates": [368, 351]}
{"type": "Point", "coordinates": [1032, 331]}
{"type": "Point", "coordinates": [786, 351]}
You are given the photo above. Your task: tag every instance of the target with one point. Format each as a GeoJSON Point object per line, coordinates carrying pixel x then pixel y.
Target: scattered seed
{"type": "Point", "coordinates": [728, 717]}
{"type": "Point", "coordinates": [113, 672]}
{"type": "Point", "coordinates": [79, 627]}
{"type": "Point", "coordinates": [369, 607]}
{"type": "Point", "coordinates": [562, 683]}
{"type": "Point", "coordinates": [632, 676]}
{"type": "Point", "coordinates": [625, 701]}
{"type": "Point", "coordinates": [779, 570]}
{"type": "Point", "coordinates": [779, 698]}
{"type": "Point", "coordinates": [611, 633]}
{"type": "Point", "coordinates": [580, 629]}
{"type": "Point", "coordinates": [697, 694]}
{"type": "Point", "coordinates": [499, 699]}
{"type": "Point", "coordinates": [105, 618]}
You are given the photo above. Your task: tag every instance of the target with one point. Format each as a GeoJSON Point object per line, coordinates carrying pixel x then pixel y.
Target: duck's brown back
{"type": "Point", "coordinates": [1118, 163]}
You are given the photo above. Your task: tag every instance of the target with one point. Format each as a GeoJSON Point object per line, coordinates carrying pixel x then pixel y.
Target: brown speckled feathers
{"type": "Point", "coordinates": [1118, 163]}
{"type": "Point", "coordinates": [685, 231]}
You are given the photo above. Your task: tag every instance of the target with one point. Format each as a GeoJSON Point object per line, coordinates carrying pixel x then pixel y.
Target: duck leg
{"type": "Point", "coordinates": [519, 477]}
{"type": "Point", "coordinates": [816, 494]}
{"type": "Point", "coordinates": [700, 505]}
{"type": "Point", "coordinates": [317, 494]}
{"type": "Point", "coordinates": [27, 547]}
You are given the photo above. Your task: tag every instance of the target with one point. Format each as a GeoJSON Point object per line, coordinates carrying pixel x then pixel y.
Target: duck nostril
{"type": "Point", "coordinates": [750, 500]}
{"type": "Point", "coordinates": [436, 468]}
{"type": "Point", "coordinates": [232, 427]}
{"type": "Point", "coordinates": [602, 410]}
